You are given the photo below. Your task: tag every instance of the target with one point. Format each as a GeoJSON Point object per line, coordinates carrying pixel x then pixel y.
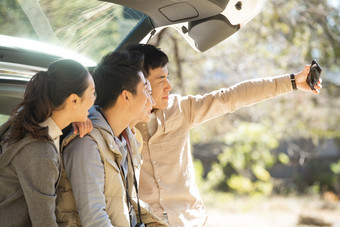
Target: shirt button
{"type": "Point", "coordinates": [111, 146]}
{"type": "Point", "coordinates": [154, 162]}
{"type": "Point", "coordinates": [159, 180]}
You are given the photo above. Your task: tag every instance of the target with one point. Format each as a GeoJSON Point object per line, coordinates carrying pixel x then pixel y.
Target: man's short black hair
{"type": "Point", "coordinates": [116, 72]}
{"type": "Point", "coordinates": [153, 56]}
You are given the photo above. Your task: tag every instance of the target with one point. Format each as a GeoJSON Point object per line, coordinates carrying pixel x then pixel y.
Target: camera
{"type": "Point", "coordinates": [314, 74]}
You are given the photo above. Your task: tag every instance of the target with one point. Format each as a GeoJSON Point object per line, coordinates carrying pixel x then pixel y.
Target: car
{"type": "Point", "coordinates": [21, 59]}
{"type": "Point", "coordinates": [36, 33]}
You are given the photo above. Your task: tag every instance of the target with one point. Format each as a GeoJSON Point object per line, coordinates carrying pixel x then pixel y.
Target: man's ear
{"type": "Point", "coordinates": [125, 95]}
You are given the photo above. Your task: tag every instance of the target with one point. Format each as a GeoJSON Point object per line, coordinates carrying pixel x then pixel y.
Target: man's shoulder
{"type": "Point", "coordinates": [174, 113]}
{"type": "Point", "coordinates": [180, 103]}
{"type": "Point", "coordinates": [175, 101]}
{"type": "Point", "coordinates": [173, 105]}
{"type": "Point", "coordinates": [76, 145]}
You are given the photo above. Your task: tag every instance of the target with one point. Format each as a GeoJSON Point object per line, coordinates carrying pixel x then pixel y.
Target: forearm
{"type": "Point", "coordinates": [253, 91]}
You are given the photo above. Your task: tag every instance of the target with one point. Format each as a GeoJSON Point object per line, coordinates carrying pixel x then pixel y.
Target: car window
{"type": "Point", "coordinates": [88, 27]}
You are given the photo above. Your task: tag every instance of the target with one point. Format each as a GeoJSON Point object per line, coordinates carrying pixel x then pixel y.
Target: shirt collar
{"type": "Point", "coordinates": [120, 143]}
{"type": "Point", "coordinates": [53, 130]}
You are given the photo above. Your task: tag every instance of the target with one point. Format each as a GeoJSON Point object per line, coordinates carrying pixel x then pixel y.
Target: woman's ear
{"type": "Point", "coordinates": [73, 100]}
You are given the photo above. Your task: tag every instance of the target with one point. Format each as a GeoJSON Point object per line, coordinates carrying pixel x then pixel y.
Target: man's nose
{"type": "Point", "coordinates": [168, 86]}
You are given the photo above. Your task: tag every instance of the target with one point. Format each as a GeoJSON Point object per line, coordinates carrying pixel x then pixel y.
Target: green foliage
{"type": "Point", "coordinates": [335, 167]}
{"type": "Point", "coordinates": [240, 184]}
{"type": "Point", "coordinates": [13, 20]}
{"type": "Point", "coordinates": [198, 172]}
{"type": "Point", "coordinates": [283, 158]}
{"type": "Point", "coordinates": [320, 178]}
{"type": "Point", "coordinates": [243, 164]}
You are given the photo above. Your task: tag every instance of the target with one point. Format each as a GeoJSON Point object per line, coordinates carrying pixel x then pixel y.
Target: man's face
{"type": "Point", "coordinates": [160, 87]}
{"type": "Point", "coordinates": [139, 102]}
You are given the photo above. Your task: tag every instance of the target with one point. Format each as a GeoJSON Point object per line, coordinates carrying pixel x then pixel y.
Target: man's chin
{"type": "Point", "coordinates": [160, 107]}
{"type": "Point", "coordinates": [164, 104]}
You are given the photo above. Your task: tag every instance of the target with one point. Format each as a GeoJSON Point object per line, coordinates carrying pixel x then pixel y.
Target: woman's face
{"type": "Point", "coordinates": [149, 104]}
{"type": "Point", "coordinates": [87, 100]}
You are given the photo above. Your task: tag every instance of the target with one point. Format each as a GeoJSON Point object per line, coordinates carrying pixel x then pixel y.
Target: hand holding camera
{"type": "Point", "coordinates": [308, 79]}
{"type": "Point", "coordinates": [314, 74]}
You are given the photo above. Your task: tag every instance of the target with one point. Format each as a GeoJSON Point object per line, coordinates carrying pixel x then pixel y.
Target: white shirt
{"type": "Point", "coordinates": [53, 131]}
{"type": "Point", "coordinates": [152, 125]}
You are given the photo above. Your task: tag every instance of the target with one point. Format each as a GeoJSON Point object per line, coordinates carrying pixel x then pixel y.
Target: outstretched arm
{"type": "Point", "coordinates": [226, 100]}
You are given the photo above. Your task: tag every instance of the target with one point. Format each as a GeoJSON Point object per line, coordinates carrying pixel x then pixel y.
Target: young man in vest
{"type": "Point", "coordinates": [99, 165]}
{"type": "Point", "coordinates": [167, 179]}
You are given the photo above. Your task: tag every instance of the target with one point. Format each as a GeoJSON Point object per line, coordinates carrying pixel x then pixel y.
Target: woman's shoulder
{"type": "Point", "coordinates": [42, 148]}
{"type": "Point", "coordinates": [27, 148]}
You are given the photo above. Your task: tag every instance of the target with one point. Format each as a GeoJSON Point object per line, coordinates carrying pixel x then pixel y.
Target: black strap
{"type": "Point", "coordinates": [134, 174]}
{"type": "Point", "coordinates": [292, 80]}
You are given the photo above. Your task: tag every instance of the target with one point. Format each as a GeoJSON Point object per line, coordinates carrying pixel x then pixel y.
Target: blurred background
{"type": "Point", "coordinates": [276, 163]}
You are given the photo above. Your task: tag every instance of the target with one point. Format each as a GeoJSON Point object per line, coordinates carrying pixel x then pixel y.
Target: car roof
{"type": "Point", "coordinates": [203, 23]}
{"type": "Point", "coordinates": [166, 12]}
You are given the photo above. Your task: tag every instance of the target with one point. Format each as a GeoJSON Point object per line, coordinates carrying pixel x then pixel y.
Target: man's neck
{"type": "Point", "coordinates": [117, 120]}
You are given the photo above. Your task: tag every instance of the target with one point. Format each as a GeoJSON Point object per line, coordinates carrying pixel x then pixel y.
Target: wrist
{"type": "Point", "coordinates": [293, 81]}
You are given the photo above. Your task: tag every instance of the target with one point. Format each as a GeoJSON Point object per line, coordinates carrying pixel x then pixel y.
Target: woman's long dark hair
{"type": "Point", "coordinates": [45, 92]}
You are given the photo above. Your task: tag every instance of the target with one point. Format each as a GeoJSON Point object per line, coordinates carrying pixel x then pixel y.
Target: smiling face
{"type": "Point", "coordinates": [160, 86]}
{"type": "Point", "coordinates": [140, 99]}
{"type": "Point", "coordinates": [149, 104]}
{"type": "Point", "coordinates": [87, 100]}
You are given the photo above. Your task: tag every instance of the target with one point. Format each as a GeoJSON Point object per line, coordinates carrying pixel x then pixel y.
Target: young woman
{"type": "Point", "coordinates": [30, 162]}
